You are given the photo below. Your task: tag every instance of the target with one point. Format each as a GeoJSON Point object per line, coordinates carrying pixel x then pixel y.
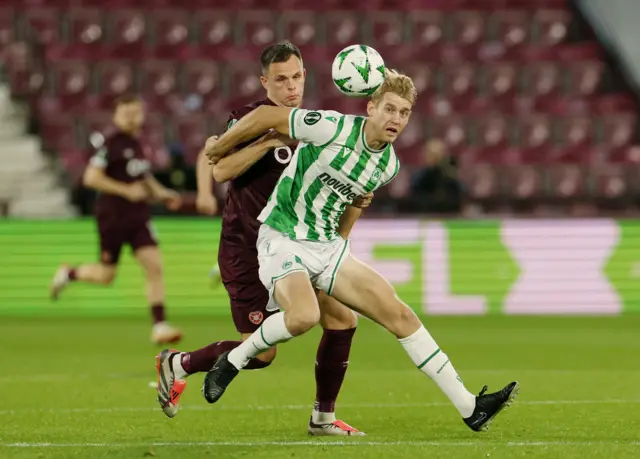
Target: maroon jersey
{"type": "Point", "coordinates": [248, 194]}
{"type": "Point", "coordinates": [123, 159]}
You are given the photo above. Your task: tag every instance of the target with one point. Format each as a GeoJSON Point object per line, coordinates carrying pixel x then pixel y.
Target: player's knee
{"type": "Point", "coordinates": [301, 320]}
{"type": "Point", "coordinates": [341, 318]}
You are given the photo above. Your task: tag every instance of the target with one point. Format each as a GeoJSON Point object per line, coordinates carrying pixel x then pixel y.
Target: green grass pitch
{"type": "Point", "coordinates": [79, 388]}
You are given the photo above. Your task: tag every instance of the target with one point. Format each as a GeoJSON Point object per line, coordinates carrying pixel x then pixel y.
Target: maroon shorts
{"type": "Point", "coordinates": [238, 265]}
{"type": "Point", "coordinates": [113, 237]}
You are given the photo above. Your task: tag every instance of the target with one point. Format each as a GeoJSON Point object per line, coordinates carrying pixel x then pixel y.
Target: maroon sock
{"type": "Point", "coordinates": [331, 365]}
{"type": "Point", "coordinates": [157, 311]}
{"type": "Point", "coordinates": [72, 275]}
{"type": "Point", "coordinates": [203, 359]}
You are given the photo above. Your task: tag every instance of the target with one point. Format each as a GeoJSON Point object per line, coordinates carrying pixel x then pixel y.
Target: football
{"type": "Point", "coordinates": [358, 70]}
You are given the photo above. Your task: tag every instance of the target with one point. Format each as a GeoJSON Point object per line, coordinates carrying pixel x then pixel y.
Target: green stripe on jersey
{"type": "Point", "coordinates": [326, 215]}
{"type": "Point", "coordinates": [281, 218]}
{"type": "Point", "coordinates": [341, 158]}
{"type": "Point", "coordinates": [309, 215]}
{"type": "Point", "coordinates": [382, 165]}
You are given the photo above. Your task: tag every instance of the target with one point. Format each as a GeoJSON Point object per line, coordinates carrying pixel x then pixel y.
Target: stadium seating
{"type": "Point", "coordinates": [528, 111]}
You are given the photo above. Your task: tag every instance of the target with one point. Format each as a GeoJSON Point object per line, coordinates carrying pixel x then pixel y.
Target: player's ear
{"type": "Point", "coordinates": [371, 107]}
{"type": "Point", "coordinates": [263, 80]}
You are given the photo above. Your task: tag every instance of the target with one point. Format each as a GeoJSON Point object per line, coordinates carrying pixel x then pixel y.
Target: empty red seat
{"type": "Point", "coordinates": [127, 32]}
{"type": "Point", "coordinates": [584, 77]}
{"type": "Point", "coordinates": [492, 131]}
{"type": "Point", "coordinates": [468, 27]}
{"type": "Point", "coordinates": [342, 29]}
{"type": "Point", "coordinates": [170, 33]}
{"type": "Point", "coordinates": [85, 26]}
{"type": "Point", "coordinates": [425, 28]}
{"type": "Point", "coordinates": [575, 131]}
{"type": "Point", "coordinates": [452, 130]}
{"type": "Point", "coordinates": [500, 80]}
{"type": "Point", "coordinates": [257, 30]}
{"type": "Point", "coordinates": [158, 77]}
{"type": "Point", "coordinates": [542, 79]}
{"type": "Point", "coordinates": [114, 77]}
{"type": "Point", "coordinates": [551, 26]}
{"type": "Point", "coordinates": [384, 30]}
{"type": "Point", "coordinates": [214, 34]}
{"type": "Point", "coordinates": [69, 79]}
{"type": "Point", "coordinates": [481, 181]}
{"type": "Point", "coordinates": [511, 27]}
{"type": "Point", "coordinates": [243, 83]}
{"type": "Point", "coordinates": [618, 130]}
{"type": "Point", "coordinates": [610, 181]}
{"type": "Point", "coordinates": [458, 80]}
{"type": "Point", "coordinates": [567, 181]}
{"type": "Point", "coordinates": [301, 28]}
{"type": "Point", "coordinates": [522, 182]}
{"type": "Point", "coordinates": [192, 132]}
{"type": "Point", "coordinates": [41, 25]}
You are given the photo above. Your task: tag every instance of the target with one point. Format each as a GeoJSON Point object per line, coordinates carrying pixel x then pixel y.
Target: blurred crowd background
{"type": "Point", "coordinates": [526, 107]}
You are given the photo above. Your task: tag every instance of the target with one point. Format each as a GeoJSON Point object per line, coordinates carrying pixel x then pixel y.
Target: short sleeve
{"type": "Point", "coordinates": [100, 157]}
{"type": "Point", "coordinates": [392, 171]}
{"type": "Point", "coordinates": [317, 127]}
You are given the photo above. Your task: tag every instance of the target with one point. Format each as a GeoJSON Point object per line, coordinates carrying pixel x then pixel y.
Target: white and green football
{"type": "Point", "coordinates": [358, 70]}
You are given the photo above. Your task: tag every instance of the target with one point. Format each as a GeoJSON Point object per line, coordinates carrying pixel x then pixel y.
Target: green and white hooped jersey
{"type": "Point", "coordinates": [330, 168]}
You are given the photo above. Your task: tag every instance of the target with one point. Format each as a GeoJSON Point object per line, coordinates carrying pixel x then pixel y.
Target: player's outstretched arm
{"type": "Point", "coordinates": [169, 197]}
{"type": "Point", "coordinates": [206, 202]}
{"type": "Point", "coordinates": [248, 127]}
{"type": "Point", "coordinates": [95, 178]}
{"type": "Point", "coordinates": [237, 163]}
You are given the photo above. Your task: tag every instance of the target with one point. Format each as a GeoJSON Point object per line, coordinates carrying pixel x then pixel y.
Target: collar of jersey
{"type": "Point", "coordinates": [364, 141]}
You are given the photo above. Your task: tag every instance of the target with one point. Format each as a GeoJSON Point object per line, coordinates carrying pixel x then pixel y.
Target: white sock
{"type": "Point", "coordinates": [271, 332]}
{"type": "Point", "coordinates": [178, 371]}
{"type": "Point", "coordinates": [319, 417]}
{"type": "Point", "coordinates": [429, 359]}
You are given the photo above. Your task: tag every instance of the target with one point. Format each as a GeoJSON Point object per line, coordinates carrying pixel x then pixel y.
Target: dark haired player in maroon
{"type": "Point", "coordinates": [252, 172]}
{"type": "Point", "coordinates": [120, 172]}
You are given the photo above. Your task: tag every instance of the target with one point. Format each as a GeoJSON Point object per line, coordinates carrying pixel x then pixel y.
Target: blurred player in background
{"type": "Point", "coordinates": [120, 172]}
{"type": "Point", "coordinates": [253, 170]}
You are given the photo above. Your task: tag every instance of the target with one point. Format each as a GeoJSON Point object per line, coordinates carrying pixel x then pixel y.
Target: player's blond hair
{"type": "Point", "coordinates": [397, 83]}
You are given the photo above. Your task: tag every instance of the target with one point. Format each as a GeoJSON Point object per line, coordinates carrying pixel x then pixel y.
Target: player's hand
{"type": "Point", "coordinates": [137, 192]}
{"type": "Point", "coordinates": [211, 152]}
{"type": "Point", "coordinates": [172, 199]}
{"type": "Point", "coordinates": [206, 204]}
{"type": "Point", "coordinates": [363, 201]}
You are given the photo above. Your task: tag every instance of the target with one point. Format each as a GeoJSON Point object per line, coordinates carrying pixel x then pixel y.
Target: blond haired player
{"type": "Point", "coordinates": [338, 158]}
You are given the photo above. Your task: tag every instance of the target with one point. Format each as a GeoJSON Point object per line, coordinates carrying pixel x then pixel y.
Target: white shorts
{"type": "Point", "coordinates": [280, 256]}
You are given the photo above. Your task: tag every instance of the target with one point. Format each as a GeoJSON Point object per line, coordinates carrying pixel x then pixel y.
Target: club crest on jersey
{"type": "Point", "coordinates": [375, 177]}
{"type": "Point", "coordinates": [286, 265]}
{"type": "Point", "coordinates": [256, 317]}
{"type": "Point", "coordinates": [312, 118]}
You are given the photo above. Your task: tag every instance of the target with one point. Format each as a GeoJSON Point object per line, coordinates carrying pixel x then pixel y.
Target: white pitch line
{"type": "Point", "coordinates": [303, 407]}
{"type": "Point", "coordinates": [319, 443]}
{"type": "Point", "coordinates": [63, 377]}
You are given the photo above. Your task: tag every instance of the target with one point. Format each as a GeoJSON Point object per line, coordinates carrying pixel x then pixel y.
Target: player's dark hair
{"type": "Point", "coordinates": [278, 52]}
{"type": "Point", "coordinates": [127, 99]}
